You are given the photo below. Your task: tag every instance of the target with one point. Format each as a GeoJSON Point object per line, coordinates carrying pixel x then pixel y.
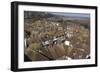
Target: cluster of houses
{"type": "Point", "coordinates": [53, 34]}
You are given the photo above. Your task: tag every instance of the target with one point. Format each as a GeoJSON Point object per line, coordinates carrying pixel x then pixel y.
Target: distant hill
{"type": "Point", "coordinates": [65, 16]}
{"type": "Point", "coordinates": [31, 14]}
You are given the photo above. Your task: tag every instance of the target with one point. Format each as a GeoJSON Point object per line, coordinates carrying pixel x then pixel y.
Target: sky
{"type": "Point", "coordinates": [73, 14]}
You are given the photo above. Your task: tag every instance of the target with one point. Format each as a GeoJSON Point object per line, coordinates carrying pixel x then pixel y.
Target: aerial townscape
{"type": "Point", "coordinates": [56, 36]}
